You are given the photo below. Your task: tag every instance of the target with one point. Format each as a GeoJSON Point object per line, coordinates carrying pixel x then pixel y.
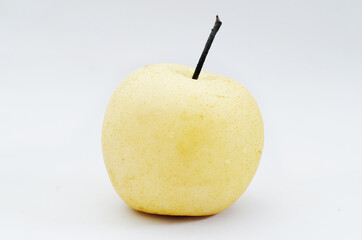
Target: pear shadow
{"type": "Point", "coordinates": [167, 219]}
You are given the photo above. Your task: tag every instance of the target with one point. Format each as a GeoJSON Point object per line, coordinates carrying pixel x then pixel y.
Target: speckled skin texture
{"type": "Point", "coordinates": [177, 146]}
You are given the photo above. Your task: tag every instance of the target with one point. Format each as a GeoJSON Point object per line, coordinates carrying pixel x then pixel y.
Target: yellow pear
{"type": "Point", "coordinates": [173, 145]}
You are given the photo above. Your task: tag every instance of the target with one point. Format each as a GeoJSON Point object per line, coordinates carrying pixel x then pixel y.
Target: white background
{"type": "Point", "coordinates": [60, 61]}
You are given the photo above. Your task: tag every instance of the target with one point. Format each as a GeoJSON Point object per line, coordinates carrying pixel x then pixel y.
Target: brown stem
{"type": "Point", "coordinates": [206, 48]}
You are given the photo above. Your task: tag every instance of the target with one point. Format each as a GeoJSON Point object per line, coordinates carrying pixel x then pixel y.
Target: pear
{"type": "Point", "coordinates": [173, 145]}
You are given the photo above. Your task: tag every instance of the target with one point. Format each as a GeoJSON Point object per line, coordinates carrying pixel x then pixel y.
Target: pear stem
{"type": "Point", "coordinates": [206, 48]}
